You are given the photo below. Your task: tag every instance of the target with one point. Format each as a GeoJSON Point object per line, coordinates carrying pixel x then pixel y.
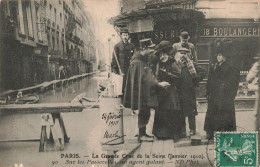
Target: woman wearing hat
{"type": "Point", "coordinates": [221, 90]}
{"type": "Point", "coordinates": [167, 116]}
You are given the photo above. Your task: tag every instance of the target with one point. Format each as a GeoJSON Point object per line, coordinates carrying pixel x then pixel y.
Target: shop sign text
{"type": "Point", "coordinates": [230, 32]}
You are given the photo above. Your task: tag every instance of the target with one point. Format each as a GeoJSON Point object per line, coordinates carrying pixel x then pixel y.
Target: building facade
{"type": "Point", "coordinates": [40, 36]}
{"type": "Point", "coordinates": [205, 20]}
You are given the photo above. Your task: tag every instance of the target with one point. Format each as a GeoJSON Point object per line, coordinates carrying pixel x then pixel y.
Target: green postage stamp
{"type": "Point", "coordinates": [236, 149]}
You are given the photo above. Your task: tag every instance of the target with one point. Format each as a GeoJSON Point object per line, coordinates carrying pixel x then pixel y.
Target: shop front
{"type": "Point", "coordinates": [160, 24]}
{"type": "Point", "coordinates": [245, 37]}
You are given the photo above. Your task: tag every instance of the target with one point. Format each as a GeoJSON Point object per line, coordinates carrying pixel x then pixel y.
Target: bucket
{"type": "Point", "coordinates": [118, 82]}
{"type": "Point", "coordinates": [111, 120]}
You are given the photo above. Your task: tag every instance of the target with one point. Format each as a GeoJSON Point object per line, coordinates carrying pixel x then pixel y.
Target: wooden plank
{"type": "Point", "coordinates": [8, 92]}
{"type": "Point", "coordinates": [129, 153]}
{"type": "Point", "coordinates": [30, 88]}
{"type": "Point", "coordinates": [168, 148]}
{"type": "Point", "coordinates": [21, 140]}
{"type": "Point", "coordinates": [140, 158]}
{"type": "Point", "coordinates": [42, 108]}
{"type": "Point", "coordinates": [128, 144]}
{"type": "Point", "coordinates": [157, 155]}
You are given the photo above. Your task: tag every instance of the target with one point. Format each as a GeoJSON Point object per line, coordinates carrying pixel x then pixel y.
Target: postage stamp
{"type": "Point", "coordinates": [236, 149]}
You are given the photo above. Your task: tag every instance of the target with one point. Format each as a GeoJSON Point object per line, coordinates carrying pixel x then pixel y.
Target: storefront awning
{"type": "Point", "coordinates": [158, 15]}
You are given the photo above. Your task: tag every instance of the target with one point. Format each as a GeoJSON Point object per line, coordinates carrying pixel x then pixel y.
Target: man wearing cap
{"type": "Point", "coordinates": [184, 43]}
{"type": "Point", "coordinates": [141, 87]}
{"type": "Point", "coordinates": [123, 51]}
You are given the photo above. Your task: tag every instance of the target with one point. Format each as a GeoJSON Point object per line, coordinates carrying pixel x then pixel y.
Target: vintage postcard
{"type": "Point", "coordinates": [129, 83]}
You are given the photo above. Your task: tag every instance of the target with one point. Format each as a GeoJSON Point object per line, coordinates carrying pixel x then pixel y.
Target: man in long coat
{"type": "Point", "coordinates": [191, 75]}
{"type": "Point", "coordinates": [222, 86]}
{"type": "Point", "coordinates": [123, 52]}
{"type": "Point", "coordinates": [141, 88]}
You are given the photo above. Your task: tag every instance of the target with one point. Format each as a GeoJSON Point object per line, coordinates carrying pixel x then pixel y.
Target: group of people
{"type": "Point", "coordinates": [164, 77]}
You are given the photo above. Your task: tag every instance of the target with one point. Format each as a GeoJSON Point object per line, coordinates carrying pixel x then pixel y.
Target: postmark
{"type": "Point", "coordinates": [236, 149]}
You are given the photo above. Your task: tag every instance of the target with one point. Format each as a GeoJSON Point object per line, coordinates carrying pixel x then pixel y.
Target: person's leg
{"type": "Point", "coordinates": [192, 124]}
{"type": "Point", "coordinates": [143, 118]}
{"type": "Point", "coordinates": [182, 126]}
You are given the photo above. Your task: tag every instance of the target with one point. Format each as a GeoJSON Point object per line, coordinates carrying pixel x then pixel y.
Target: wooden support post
{"type": "Point", "coordinates": [55, 137]}
{"type": "Point", "coordinates": [63, 130]}
{"type": "Point", "coordinates": [57, 131]}
{"type": "Point", "coordinates": [43, 138]}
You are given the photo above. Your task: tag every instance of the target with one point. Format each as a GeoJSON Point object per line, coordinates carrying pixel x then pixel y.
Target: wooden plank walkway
{"type": "Point", "coordinates": [41, 108]}
{"type": "Point", "coordinates": [153, 154]}
{"type": "Point", "coordinates": [46, 85]}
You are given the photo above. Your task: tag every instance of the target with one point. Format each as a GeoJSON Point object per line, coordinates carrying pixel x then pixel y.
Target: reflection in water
{"type": "Point", "coordinates": [66, 94]}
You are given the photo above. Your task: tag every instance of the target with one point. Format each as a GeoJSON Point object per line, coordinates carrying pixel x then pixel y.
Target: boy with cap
{"type": "Point", "coordinates": [141, 87]}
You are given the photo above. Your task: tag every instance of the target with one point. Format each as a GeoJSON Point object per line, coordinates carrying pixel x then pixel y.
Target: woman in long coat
{"type": "Point", "coordinates": [167, 115]}
{"type": "Point", "coordinates": [222, 86]}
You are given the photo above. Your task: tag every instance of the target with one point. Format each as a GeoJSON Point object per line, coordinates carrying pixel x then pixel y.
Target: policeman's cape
{"type": "Point", "coordinates": [141, 85]}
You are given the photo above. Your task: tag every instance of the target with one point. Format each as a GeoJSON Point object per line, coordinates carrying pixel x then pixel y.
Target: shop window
{"type": "Point", "coordinates": [27, 17]}
{"type": "Point", "coordinates": [49, 40]}
{"type": "Point", "coordinates": [14, 11]}
{"type": "Point", "coordinates": [62, 46]}
{"type": "Point", "coordinates": [203, 51]}
{"type": "Point", "coordinates": [60, 17]}
{"type": "Point", "coordinates": [58, 45]}
{"type": "Point", "coordinates": [53, 43]}
{"type": "Point", "coordinates": [55, 15]}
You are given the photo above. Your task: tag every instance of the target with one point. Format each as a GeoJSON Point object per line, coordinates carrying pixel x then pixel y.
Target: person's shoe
{"type": "Point", "coordinates": [145, 139]}
{"type": "Point", "coordinates": [146, 135]}
{"type": "Point", "coordinates": [133, 112]}
{"type": "Point", "coordinates": [136, 135]}
{"type": "Point", "coordinates": [192, 132]}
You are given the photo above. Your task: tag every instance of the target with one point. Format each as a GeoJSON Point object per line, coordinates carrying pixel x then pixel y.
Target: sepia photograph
{"type": "Point", "coordinates": [129, 83]}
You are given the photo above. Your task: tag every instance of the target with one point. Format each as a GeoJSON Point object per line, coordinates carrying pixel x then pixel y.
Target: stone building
{"type": "Point", "coordinates": [39, 36]}
{"type": "Point", "coordinates": [205, 20]}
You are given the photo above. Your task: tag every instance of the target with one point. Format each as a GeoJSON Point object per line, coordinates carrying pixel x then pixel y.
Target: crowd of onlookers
{"type": "Point", "coordinates": [164, 77]}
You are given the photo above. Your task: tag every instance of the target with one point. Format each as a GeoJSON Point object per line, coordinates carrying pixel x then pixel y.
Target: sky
{"type": "Point", "coordinates": [101, 11]}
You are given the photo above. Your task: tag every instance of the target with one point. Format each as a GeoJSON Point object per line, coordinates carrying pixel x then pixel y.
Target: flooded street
{"type": "Point", "coordinates": [83, 128]}
{"type": "Point", "coordinates": [65, 94]}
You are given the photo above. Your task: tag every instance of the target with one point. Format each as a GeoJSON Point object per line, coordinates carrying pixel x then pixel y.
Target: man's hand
{"type": "Point", "coordinates": [164, 84]}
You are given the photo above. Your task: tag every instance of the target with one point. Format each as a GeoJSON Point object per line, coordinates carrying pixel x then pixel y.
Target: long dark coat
{"type": "Point", "coordinates": [123, 52]}
{"type": "Point", "coordinates": [141, 85]}
{"type": "Point", "coordinates": [166, 120]}
{"type": "Point", "coordinates": [187, 89]}
{"type": "Point", "coordinates": [222, 88]}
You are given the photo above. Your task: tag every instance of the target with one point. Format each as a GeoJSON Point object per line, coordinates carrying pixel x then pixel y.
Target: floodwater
{"type": "Point", "coordinates": [67, 93]}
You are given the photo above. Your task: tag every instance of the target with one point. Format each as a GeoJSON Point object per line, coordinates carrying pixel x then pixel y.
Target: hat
{"type": "Point", "coordinates": [146, 43]}
{"type": "Point", "coordinates": [184, 35]}
{"type": "Point", "coordinates": [224, 46]}
{"type": "Point", "coordinates": [163, 46]}
{"type": "Point", "coordinates": [183, 50]}
{"type": "Point", "coordinates": [124, 30]}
